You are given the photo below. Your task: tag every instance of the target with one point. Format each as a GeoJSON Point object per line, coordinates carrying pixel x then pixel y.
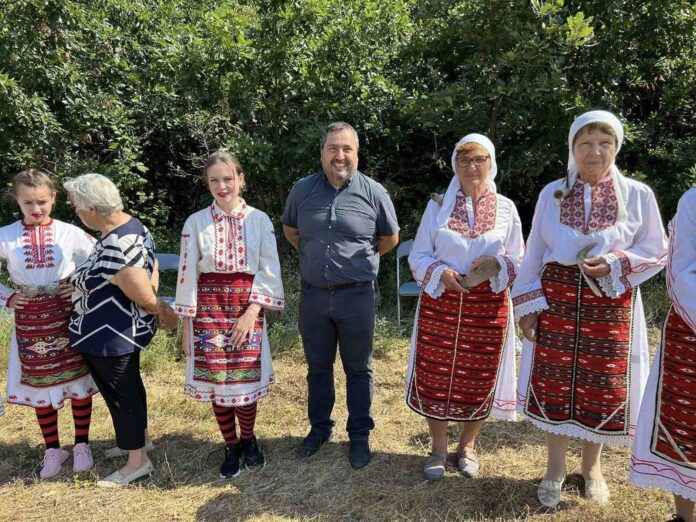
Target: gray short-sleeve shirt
{"type": "Point", "coordinates": [339, 228]}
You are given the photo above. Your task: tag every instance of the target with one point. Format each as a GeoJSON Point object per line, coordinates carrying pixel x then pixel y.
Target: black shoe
{"type": "Point", "coordinates": [230, 466]}
{"type": "Point", "coordinates": [676, 518]}
{"type": "Point", "coordinates": [359, 454]}
{"type": "Point", "coordinates": [251, 454]}
{"type": "Point", "coordinates": [311, 444]}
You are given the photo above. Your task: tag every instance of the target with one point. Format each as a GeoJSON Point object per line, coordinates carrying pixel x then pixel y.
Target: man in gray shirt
{"type": "Point", "coordinates": [341, 222]}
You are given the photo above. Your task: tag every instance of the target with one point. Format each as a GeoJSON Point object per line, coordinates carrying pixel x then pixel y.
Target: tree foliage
{"type": "Point", "coordinates": [143, 90]}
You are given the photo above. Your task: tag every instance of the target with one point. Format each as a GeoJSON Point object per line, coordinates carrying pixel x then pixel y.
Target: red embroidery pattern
{"type": "Point", "coordinates": [429, 273]}
{"type": "Point", "coordinates": [529, 296]}
{"type": "Point", "coordinates": [185, 238]}
{"type": "Point", "coordinates": [38, 242]}
{"type": "Point", "coordinates": [604, 210]}
{"type": "Point", "coordinates": [230, 240]}
{"type": "Point", "coordinates": [485, 211]}
{"type": "Point", "coordinates": [625, 268]}
{"type": "Point", "coordinates": [510, 270]}
{"type": "Point", "coordinates": [267, 301]}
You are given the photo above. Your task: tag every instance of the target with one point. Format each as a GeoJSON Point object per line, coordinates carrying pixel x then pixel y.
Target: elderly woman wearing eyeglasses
{"type": "Point", "coordinates": [596, 235]}
{"type": "Point", "coordinates": [464, 257]}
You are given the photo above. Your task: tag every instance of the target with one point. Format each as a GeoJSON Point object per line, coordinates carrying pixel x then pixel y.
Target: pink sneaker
{"type": "Point", "coordinates": [82, 458]}
{"type": "Point", "coordinates": [52, 461]}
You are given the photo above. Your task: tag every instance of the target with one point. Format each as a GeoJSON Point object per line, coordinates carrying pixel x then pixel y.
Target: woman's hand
{"type": "Point", "coordinates": [166, 317]}
{"type": "Point", "coordinates": [17, 301]}
{"type": "Point", "coordinates": [479, 261]}
{"type": "Point", "coordinates": [452, 280]}
{"type": "Point", "coordinates": [66, 289]}
{"type": "Point", "coordinates": [186, 338]}
{"type": "Point", "coordinates": [244, 325]}
{"type": "Point", "coordinates": [528, 325]}
{"type": "Point", "coordinates": [596, 267]}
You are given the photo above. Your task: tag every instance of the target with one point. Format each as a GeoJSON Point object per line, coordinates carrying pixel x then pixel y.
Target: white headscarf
{"type": "Point", "coordinates": [451, 194]}
{"type": "Point", "coordinates": [620, 185]}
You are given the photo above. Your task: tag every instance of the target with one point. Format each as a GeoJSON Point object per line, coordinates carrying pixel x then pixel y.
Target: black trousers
{"type": "Point", "coordinates": [118, 379]}
{"type": "Point", "coordinates": [344, 317]}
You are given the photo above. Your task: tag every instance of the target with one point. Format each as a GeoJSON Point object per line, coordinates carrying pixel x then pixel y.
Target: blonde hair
{"type": "Point", "coordinates": [470, 146]}
{"type": "Point", "coordinates": [32, 178]}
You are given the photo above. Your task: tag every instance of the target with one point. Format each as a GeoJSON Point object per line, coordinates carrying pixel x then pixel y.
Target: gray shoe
{"type": "Point", "coordinates": [435, 466]}
{"type": "Point", "coordinates": [468, 463]}
{"type": "Point", "coordinates": [114, 453]}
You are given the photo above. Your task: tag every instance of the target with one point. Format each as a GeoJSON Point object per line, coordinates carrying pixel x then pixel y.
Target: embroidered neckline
{"type": "Point", "coordinates": [30, 225]}
{"type": "Point", "coordinates": [604, 208]}
{"type": "Point", "coordinates": [37, 243]}
{"type": "Point", "coordinates": [239, 212]}
{"type": "Point", "coordinates": [485, 213]}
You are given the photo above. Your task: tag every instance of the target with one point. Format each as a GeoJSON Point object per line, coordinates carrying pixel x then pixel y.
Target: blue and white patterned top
{"type": "Point", "coordinates": [104, 322]}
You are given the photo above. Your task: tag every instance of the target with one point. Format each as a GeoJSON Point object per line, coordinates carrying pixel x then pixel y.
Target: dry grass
{"type": "Point", "coordinates": [324, 487]}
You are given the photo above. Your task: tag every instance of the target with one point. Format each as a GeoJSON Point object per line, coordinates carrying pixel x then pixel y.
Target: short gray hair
{"type": "Point", "coordinates": [339, 126]}
{"type": "Point", "coordinates": [94, 190]}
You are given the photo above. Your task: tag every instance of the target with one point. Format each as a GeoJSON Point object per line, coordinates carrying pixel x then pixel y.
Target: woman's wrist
{"type": "Point", "coordinates": [159, 304]}
{"type": "Point", "coordinates": [254, 308]}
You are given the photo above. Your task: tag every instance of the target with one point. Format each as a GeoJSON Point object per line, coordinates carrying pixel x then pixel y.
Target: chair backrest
{"type": "Point", "coordinates": [404, 249]}
{"type": "Point", "coordinates": [168, 261]}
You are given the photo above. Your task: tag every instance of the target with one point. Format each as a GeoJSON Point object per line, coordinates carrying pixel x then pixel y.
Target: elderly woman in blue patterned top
{"type": "Point", "coordinates": [115, 313]}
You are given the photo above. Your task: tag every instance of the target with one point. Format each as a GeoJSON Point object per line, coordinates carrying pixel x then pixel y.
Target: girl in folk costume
{"type": "Point", "coordinates": [596, 235]}
{"type": "Point", "coordinates": [462, 360]}
{"type": "Point", "coordinates": [664, 453]}
{"type": "Point", "coordinates": [229, 273]}
{"type": "Point", "coordinates": [44, 369]}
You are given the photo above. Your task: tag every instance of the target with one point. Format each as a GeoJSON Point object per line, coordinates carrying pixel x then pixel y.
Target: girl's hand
{"type": "Point", "coordinates": [244, 326]}
{"type": "Point", "coordinates": [66, 289]}
{"type": "Point", "coordinates": [186, 337]}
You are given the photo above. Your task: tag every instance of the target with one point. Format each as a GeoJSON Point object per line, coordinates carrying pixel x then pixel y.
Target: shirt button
{"type": "Point", "coordinates": [329, 226]}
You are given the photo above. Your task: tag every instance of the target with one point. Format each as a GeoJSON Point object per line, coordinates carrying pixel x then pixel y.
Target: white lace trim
{"type": "Point", "coordinates": [501, 280]}
{"type": "Point", "coordinates": [578, 432]}
{"type": "Point", "coordinates": [663, 483]}
{"type": "Point", "coordinates": [530, 307]}
{"type": "Point", "coordinates": [206, 394]}
{"type": "Point", "coordinates": [435, 287]}
{"type": "Point", "coordinates": [611, 283]}
{"type": "Point", "coordinates": [504, 414]}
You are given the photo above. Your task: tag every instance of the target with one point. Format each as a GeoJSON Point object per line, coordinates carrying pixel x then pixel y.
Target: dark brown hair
{"type": "Point", "coordinates": [32, 178]}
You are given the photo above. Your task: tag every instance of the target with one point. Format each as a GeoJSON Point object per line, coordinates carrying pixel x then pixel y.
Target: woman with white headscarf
{"type": "Point", "coordinates": [596, 235]}
{"type": "Point", "coordinates": [664, 454]}
{"type": "Point", "coordinates": [464, 257]}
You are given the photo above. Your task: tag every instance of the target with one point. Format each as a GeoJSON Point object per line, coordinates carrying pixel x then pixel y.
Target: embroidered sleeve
{"type": "Point", "coordinates": [616, 282]}
{"type": "Point", "coordinates": [511, 260]}
{"type": "Point", "coordinates": [530, 303]}
{"type": "Point", "coordinates": [187, 277]}
{"type": "Point", "coordinates": [527, 295]}
{"type": "Point", "coordinates": [267, 288]}
{"type": "Point", "coordinates": [426, 268]}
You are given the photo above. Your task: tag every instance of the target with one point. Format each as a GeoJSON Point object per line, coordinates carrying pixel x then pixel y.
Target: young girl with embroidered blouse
{"type": "Point", "coordinates": [44, 369]}
{"type": "Point", "coordinates": [229, 274]}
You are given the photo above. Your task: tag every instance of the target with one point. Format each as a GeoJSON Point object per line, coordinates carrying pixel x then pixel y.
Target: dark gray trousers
{"type": "Point", "coordinates": [345, 317]}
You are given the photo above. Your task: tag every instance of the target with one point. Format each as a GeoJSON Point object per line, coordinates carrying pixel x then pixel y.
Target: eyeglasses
{"type": "Point", "coordinates": [479, 161]}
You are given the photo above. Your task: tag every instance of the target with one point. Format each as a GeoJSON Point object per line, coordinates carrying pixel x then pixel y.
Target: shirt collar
{"type": "Point", "coordinates": [239, 212]}
{"type": "Point", "coordinates": [346, 185]}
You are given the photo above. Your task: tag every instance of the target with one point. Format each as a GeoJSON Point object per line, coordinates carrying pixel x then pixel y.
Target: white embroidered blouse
{"type": "Point", "coordinates": [215, 242]}
{"type": "Point", "coordinates": [491, 227]}
{"type": "Point", "coordinates": [41, 254]}
{"type": "Point", "coordinates": [681, 263]}
{"type": "Point", "coordinates": [635, 248]}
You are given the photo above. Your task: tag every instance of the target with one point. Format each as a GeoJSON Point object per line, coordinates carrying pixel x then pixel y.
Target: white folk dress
{"type": "Point", "coordinates": [41, 255]}
{"type": "Point", "coordinates": [217, 244]}
{"type": "Point", "coordinates": [635, 249]}
{"type": "Point", "coordinates": [664, 450]}
{"type": "Point", "coordinates": [439, 380]}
